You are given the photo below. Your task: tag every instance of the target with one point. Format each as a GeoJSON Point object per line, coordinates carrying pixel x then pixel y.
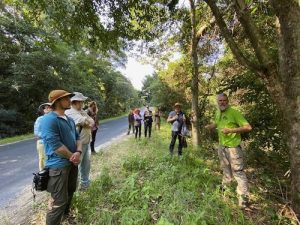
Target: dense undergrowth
{"type": "Point", "coordinates": [140, 183]}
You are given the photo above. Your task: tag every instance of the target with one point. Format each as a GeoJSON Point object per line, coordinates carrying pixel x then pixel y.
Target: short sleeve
{"type": "Point", "coordinates": [217, 117]}
{"type": "Point", "coordinates": [240, 119]}
{"type": "Point", "coordinates": [171, 114]}
{"type": "Point", "coordinates": [50, 134]}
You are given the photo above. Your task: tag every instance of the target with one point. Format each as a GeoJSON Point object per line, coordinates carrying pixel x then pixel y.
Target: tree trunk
{"type": "Point", "coordinates": [283, 85]}
{"type": "Point", "coordinates": [195, 79]}
{"type": "Point", "coordinates": [288, 13]}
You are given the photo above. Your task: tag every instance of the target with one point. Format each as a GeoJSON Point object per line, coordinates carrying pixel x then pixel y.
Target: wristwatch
{"type": "Point", "coordinates": [79, 151]}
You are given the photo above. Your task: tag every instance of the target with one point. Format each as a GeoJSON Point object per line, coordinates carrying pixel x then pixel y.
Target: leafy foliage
{"type": "Point", "coordinates": [30, 68]}
{"type": "Point", "coordinates": [150, 187]}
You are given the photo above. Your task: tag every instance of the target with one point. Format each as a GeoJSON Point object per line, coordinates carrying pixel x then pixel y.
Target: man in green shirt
{"type": "Point", "coordinates": [230, 123]}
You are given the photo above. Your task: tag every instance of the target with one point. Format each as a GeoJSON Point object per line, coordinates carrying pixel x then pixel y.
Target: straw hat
{"type": "Point", "coordinates": [177, 105]}
{"type": "Point", "coordinates": [57, 94]}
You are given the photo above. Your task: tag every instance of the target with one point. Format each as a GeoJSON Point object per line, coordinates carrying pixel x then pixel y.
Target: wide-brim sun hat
{"type": "Point", "coordinates": [78, 97]}
{"type": "Point", "coordinates": [57, 94]}
{"type": "Point", "coordinates": [44, 105]}
{"type": "Point", "coordinates": [177, 105]}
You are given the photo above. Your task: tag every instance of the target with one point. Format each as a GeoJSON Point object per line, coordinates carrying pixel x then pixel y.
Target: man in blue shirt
{"type": "Point", "coordinates": [63, 150]}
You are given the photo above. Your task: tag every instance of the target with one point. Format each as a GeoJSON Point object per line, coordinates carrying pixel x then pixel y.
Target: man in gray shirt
{"type": "Point", "coordinates": [177, 119]}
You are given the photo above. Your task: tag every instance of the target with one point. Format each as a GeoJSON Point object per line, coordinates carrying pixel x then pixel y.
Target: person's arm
{"type": "Point", "coordinates": [243, 129]}
{"type": "Point", "coordinates": [75, 158]}
{"type": "Point", "coordinates": [172, 118]}
{"type": "Point", "coordinates": [51, 135]}
{"type": "Point", "coordinates": [63, 151]}
{"type": "Point", "coordinates": [78, 118]}
{"type": "Point", "coordinates": [211, 126]}
{"type": "Point", "coordinates": [242, 123]}
{"type": "Point", "coordinates": [89, 122]}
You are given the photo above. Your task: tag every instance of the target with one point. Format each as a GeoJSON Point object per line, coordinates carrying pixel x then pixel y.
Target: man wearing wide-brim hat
{"type": "Point", "coordinates": [63, 150]}
{"type": "Point", "coordinates": [84, 124]}
{"type": "Point", "coordinates": [177, 119]}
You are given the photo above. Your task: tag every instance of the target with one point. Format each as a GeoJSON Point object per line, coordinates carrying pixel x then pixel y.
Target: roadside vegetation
{"type": "Point", "coordinates": [15, 139]}
{"type": "Point", "coordinates": [138, 182]}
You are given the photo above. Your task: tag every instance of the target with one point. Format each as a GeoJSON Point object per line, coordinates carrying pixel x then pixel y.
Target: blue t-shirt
{"type": "Point", "coordinates": [57, 131]}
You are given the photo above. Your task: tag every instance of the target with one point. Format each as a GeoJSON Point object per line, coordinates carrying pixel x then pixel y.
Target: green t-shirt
{"type": "Point", "coordinates": [230, 118]}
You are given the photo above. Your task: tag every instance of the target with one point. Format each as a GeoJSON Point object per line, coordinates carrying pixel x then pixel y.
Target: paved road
{"type": "Point", "coordinates": [18, 161]}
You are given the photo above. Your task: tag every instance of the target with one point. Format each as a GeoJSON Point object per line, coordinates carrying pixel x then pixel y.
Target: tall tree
{"type": "Point", "coordinates": [195, 75]}
{"type": "Point", "coordinates": [288, 14]}
{"type": "Point", "coordinates": [283, 84]}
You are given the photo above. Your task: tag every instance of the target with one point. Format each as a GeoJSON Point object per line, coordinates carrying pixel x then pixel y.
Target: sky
{"type": "Point", "coordinates": [136, 72]}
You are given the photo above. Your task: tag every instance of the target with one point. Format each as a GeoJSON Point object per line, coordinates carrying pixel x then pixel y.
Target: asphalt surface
{"type": "Point", "coordinates": [19, 160]}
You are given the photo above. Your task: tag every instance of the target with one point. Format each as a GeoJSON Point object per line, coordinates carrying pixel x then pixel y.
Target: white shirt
{"type": "Point", "coordinates": [82, 119]}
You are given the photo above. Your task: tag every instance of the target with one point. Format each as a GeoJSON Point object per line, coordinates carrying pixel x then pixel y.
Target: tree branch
{"type": "Point", "coordinates": [204, 29]}
{"type": "Point", "coordinates": [229, 39]}
{"type": "Point", "coordinates": [254, 36]}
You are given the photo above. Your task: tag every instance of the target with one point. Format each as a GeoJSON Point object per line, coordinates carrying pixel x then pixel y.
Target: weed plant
{"type": "Point", "coordinates": [141, 183]}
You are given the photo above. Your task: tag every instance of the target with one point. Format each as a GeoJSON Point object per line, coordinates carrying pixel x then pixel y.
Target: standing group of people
{"type": "Point", "coordinates": [65, 133]}
{"type": "Point", "coordinates": [135, 120]}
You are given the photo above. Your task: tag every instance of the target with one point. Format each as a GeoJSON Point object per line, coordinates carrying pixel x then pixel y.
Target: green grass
{"type": "Point", "coordinates": [138, 182]}
{"type": "Point", "coordinates": [15, 138]}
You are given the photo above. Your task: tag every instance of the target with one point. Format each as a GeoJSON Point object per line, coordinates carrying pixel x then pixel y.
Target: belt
{"type": "Point", "coordinates": [232, 147]}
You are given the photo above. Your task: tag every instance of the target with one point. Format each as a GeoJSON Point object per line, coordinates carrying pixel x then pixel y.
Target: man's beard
{"type": "Point", "coordinates": [66, 108]}
{"type": "Point", "coordinates": [223, 107]}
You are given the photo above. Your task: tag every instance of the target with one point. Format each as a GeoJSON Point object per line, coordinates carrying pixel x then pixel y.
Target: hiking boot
{"type": "Point", "coordinates": [244, 202]}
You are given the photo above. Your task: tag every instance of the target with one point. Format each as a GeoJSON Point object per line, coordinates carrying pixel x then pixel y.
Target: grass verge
{"type": "Point", "coordinates": [138, 182]}
{"type": "Point", "coordinates": [15, 138]}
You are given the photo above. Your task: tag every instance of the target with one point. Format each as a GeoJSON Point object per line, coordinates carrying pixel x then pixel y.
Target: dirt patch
{"type": "Point", "coordinates": [19, 211]}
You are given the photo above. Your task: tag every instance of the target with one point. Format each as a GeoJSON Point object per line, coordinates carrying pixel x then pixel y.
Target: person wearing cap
{"type": "Point", "coordinates": [148, 121]}
{"type": "Point", "coordinates": [63, 150]}
{"type": "Point", "coordinates": [176, 118]}
{"type": "Point", "coordinates": [230, 123]}
{"type": "Point", "coordinates": [42, 110]}
{"type": "Point", "coordinates": [84, 124]}
{"type": "Point", "coordinates": [137, 123]}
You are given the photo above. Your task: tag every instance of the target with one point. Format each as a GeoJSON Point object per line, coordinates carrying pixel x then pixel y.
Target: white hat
{"type": "Point", "coordinates": [78, 97]}
{"type": "Point", "coordinates": [44, 105]}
